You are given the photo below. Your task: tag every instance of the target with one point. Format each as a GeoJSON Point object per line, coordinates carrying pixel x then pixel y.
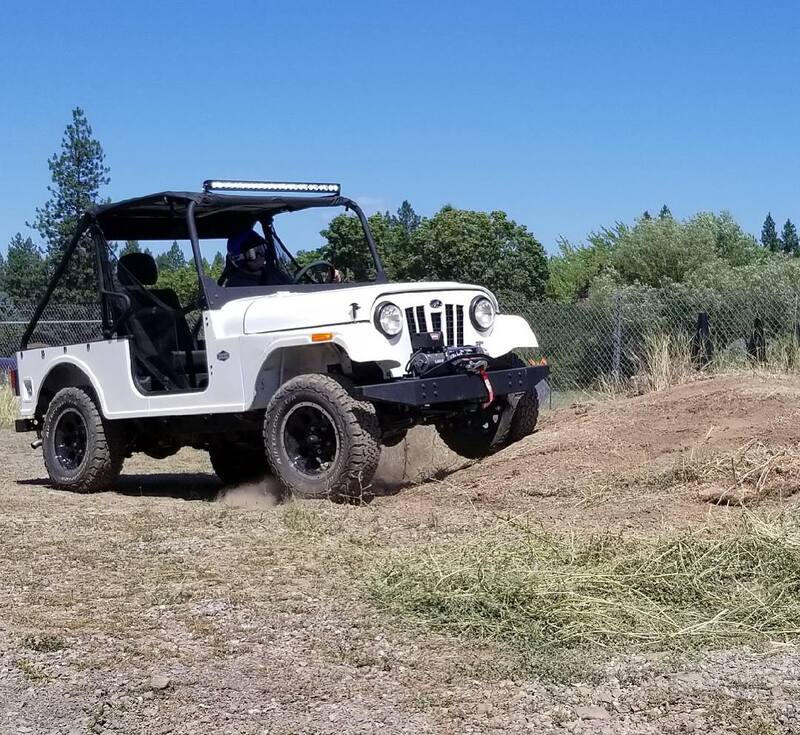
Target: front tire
{"type": "Point", "coordinates": [321, 442]}
{"type": "Point", "coordinates": [83, 452]}
{"type": "Point", "coordinates": [474, 436]}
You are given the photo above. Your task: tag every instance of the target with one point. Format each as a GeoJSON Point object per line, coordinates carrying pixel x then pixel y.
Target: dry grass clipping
{"type": "Point", "coordinates": [535, 589]}
{"type": "Point", "coordinates": [752, 473]}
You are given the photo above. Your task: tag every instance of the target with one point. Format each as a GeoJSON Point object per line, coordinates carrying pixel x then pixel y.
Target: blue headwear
{"type": "Point", "coordinates": [240, 243]}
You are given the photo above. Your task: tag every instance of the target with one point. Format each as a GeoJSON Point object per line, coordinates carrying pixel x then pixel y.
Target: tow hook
{"type": "Point", "coordinates": [36, 444]}
{"type": "Point", "coordinates": [489, 389]}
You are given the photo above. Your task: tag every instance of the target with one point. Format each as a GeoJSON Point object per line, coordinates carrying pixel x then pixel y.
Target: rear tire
{"type": "Point", "coordinates": [83, 452]}
{"type": "Point", "coordinates": [238, 463]}
{"type": "Point", "coordinates": [320, 441]}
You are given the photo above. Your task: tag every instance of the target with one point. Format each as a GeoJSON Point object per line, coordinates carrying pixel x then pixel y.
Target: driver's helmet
{"type": "Point", "coordinates": [248, 250]}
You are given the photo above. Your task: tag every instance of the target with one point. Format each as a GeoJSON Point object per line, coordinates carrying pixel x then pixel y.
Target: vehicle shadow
{"type": "Point", "coordinates": [206, 487]}
{"type": "Point", "coordinates": [180, 486]}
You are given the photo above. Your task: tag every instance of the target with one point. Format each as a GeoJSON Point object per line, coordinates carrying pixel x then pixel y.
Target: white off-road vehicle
{"type": "Point", "coordinates": [294, 371]}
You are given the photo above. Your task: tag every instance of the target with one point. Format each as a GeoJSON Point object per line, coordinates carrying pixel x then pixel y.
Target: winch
{"type": "Point", "coordinates": [432, 358]}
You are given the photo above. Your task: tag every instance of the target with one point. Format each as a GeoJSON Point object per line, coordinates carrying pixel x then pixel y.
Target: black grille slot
{"type": "Point", "coordinates": [448, 317]}
{"type": "Point", "coordinates": [436, 321]}
{"type": "Point", "coordinates": [459, 325]}
{"type": "Point", "coordinates": [412, 327]}
{"type": "Point", "coordinates": [422, 324]}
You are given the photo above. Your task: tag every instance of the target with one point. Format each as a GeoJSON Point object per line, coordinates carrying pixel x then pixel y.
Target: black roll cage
{"type": "Point", "coordinates": [211, 294]}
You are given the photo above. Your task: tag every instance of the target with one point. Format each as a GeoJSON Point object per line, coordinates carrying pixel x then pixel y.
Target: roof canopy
{"type": "Point", "coordinates": [163, 216]}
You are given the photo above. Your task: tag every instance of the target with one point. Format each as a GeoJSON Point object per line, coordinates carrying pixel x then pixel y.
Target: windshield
{"type": "Point", "coordinates": [314, 246]}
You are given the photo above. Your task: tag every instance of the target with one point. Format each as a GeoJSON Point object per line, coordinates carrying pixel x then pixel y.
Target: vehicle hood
{"type": "Point", "coordinates": [289, 310]}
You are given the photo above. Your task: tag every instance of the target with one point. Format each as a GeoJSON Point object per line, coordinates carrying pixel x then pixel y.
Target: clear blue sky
{"type": "Point", "coordinates": [568, 115]}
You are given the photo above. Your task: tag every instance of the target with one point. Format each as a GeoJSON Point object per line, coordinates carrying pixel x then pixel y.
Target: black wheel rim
{"type": "Point", "coordinates": [310, 439]}
{"type": "Point", "coordinates": [69, 439]}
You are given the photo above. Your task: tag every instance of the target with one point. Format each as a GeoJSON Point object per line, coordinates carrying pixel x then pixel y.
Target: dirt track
{"type": "Point", "coordinates": [254, 628]}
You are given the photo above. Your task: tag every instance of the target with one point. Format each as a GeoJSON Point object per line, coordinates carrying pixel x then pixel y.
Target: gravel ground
{"type": "Point", "coordinates": [171, 607]}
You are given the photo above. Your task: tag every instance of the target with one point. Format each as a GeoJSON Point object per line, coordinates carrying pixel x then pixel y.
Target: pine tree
{"type": "Point", "coordinates": [769, 235]}
{"type": "Point", "coordinates": [789, 241]}
{"type": "Point", "coordinates": [647, 215]}
{"type": "Point", "coordinates": [131, 246]}
{"type": "Point", "coordinates": [407, 217]}
{"type": "Point", "coordinates": [664, 213]}
{"type": "Point", "coordinates": [77, 171]}
{"type": "Point", "coordinates": [24, 273]}
{"type": "Point", "coordinates": [172, 260]}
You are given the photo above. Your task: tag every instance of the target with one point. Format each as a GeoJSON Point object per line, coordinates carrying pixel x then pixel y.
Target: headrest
{"type": "Point", "coordinates": [137, 268]}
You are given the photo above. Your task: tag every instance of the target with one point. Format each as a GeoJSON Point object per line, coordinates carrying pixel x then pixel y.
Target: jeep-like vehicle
{"type": "Point", "coordinates": [303, 373]}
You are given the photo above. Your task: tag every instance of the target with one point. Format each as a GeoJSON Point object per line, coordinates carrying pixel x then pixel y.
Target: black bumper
{"type": "Point", "coordinates": [22, 425]}
{"type": "Point", "coordinates": [453, 388]}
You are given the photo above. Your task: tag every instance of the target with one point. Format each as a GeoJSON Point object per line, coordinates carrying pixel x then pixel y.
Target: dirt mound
{"type": "Point", "coordinates": [632, 461]}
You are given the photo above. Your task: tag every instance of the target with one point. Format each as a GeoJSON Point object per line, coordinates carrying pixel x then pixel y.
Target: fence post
{"type": "Point", "coordinates": [757, 344]}
{"type": "Point", "coordinates": [702, 346]}
{"type": "Point", "coordinates": [616, 337]}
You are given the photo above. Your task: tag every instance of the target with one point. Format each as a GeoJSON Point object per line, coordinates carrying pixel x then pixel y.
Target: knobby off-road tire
{"type": "Point", "coordinates": [478, 435]}
{"type": "Point", "coordinates": [473, 436]}
{"type": "Point", "coordinates": [320, 441]}
{"type": "Point", "coordinates": [83, 452]}
{"type": "Point", "coordinates": [525, 418]}
{"type": "Point", "coordinates": [236, 463]}
{"type": "Point", "coordinates": [526, 414]}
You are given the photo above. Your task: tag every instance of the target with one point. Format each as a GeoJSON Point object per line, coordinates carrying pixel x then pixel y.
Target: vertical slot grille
{"type": "Point", "coordinates": [412, 327]}
{"type": "Point", "coordinates": [459, 325]}
{"type": "Point", "coordinates": [436, 321]}
{"type": "Point", "coordinates": [422, 325]}
{"type": "Point", "coordinates": [448, 317]}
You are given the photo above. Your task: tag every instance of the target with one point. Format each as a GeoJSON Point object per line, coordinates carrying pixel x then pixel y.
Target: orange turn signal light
{"type": "Point", "coordinates": [322, 336]}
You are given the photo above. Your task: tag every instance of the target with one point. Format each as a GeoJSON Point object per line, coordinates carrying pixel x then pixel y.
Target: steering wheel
{"type": "Point", "coordinates": [305, 271]}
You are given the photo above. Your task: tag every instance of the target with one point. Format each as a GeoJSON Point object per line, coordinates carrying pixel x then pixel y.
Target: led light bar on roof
{"type": "Point", "coordinates": [222, 185]}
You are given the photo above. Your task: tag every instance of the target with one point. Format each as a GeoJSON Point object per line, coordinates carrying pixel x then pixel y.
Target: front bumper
{"type": "Point", "coordinates": [453, 388]}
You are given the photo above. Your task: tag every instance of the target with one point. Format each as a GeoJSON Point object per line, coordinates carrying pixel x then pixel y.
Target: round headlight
{"type": "Point", "coordinates": [481, 313]}
{"type": "Point", "coordinates": [389, 319]}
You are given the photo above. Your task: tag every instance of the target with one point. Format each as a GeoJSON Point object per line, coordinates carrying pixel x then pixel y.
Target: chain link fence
{"type": "Point", "coordinates": [623, 336]}
{"type": "Point", "coordinates": [608, 339]}
{"type": "Point", "coordinates": [60, 324]}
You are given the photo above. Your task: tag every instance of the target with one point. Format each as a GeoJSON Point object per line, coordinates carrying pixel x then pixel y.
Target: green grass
{"type": "Point", "coordinates": [538, 589]}
{"type": "Point", "coordinates": [8, 405]}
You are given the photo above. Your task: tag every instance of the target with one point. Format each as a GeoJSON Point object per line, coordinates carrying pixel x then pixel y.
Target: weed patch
{"type": "Point", "coordinates": [8, 404]}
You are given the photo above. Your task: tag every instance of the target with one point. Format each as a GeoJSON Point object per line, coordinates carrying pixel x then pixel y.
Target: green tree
{"type": "Point", "coordinates": [769, 235]}
{"type": "Point", "coordinates": [646, 215]}
{"type": "Point", "coordinates": [789, 242]}
{"type": "Point", "coordinates": [574, 269]}
{"type": "Point", "coordinates": [183, 281]}
{"type": "Point", "coordinates": [172, 260]}
{"type": "Point", "coordinates": [407, 217]}
{"type": "Point", "coordinates": [131, 246]}
{"type": "Point", "coordinates": [346, 245]}
{"type": "Point", "coordinates": [77, 171]}
{"type": "Point", "coordinates": [24, 275]}
{"type": "Point", "coordinates": [664, 213]}
{"type": "Point", "coordinates": [659, 251]}
{"type": "Point", "coordinates": [481, 247]}
{"type": "Point", "coordinates": [217, 265]}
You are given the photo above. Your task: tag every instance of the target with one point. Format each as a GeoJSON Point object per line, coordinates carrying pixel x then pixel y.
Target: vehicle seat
{"type": "Point", "coordinates": [158, 325]}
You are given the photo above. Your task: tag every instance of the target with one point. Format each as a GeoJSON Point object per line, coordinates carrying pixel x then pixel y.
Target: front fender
{"type": "Point", "coordinates": [509, 333]}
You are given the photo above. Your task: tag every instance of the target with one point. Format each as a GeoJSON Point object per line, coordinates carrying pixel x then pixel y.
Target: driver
{"type": "Point", "coordinates": [252, 262]}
